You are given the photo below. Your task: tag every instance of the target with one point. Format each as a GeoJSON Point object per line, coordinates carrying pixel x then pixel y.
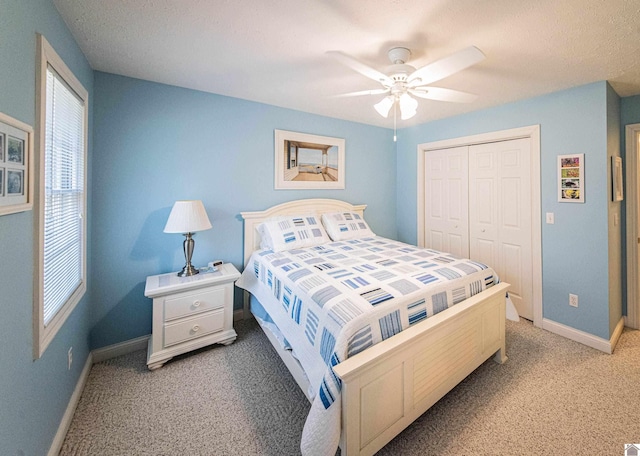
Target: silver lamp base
{"type": "Point", "coordinates": [187, 246]}
{"type": "Point", "coordinates": [188, 270]}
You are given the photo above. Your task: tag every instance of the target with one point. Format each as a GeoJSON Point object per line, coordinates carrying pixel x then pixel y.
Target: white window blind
{"type": "Point", "coordinates": [64, 194]}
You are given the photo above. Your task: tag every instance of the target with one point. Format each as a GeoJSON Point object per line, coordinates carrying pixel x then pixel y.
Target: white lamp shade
{"type": "Point", "coordinates": [384, 105]}
{"type": "Point", "coordinates": [408, 106]}
{"type": "Point", "coordinates": [187, 217]}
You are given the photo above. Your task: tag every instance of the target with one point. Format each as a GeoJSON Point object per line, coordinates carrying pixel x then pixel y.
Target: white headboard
{"type": "Point", "coordinates": [317, 206]}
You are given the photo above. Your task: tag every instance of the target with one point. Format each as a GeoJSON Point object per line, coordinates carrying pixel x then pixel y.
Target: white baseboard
{"type": "Point", "coordinates": [122, 348]}
{"type": "Point", "coordinates": [617, 333]}
{"type": "Point", "coordinates": [585, 338]}
{"type": "Point", "coordinates": [58, 439]}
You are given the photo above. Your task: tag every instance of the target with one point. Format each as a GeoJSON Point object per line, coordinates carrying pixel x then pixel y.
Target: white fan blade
{"type": "Point", "coordinates": [361, 68]}
{"type": "Point", "coordinates": [364, 92]}
{"type": "Point", "coordinates": [440, 94]}
{"type": "Point", "coordinates": [447, 66]}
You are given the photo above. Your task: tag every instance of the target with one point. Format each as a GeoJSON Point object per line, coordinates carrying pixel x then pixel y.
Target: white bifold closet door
{"type": "Point", "coordinates": [478, 205]}
{"type": "Point", "coordinates": [447, 200]}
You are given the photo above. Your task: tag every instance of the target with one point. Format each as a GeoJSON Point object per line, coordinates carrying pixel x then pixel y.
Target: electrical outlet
{"type": "Point", "coordinates": [69, 358]}
{"type": "Point", "coordinates": [573, 300]}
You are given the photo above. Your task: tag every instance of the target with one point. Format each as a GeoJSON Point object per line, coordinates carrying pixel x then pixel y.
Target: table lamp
{"type": "Point", "coordinates": [187, 217]}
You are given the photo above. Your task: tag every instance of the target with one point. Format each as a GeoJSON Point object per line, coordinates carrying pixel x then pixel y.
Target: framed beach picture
{"type": "Point", "coordinates": [16, 166]}
{"type": "Point", "coordinates": [304, 161]}
{"type": "Point", "coordinates": [571, 178]}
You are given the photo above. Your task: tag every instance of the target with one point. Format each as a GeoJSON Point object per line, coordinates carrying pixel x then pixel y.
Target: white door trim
{"type": "Point", "coordinates": [532, 132]}
{"type": "Point", "coordinates": [632, 319]}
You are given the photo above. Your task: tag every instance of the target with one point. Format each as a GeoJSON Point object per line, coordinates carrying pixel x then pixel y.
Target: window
{"type": "Point", "coordinates": [61, 195]}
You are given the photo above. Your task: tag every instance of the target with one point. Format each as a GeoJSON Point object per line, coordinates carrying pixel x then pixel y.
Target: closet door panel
{"type": "Point", "coordinates": [512, 272]}
{"type": "Point", "coordinates": [436, 221]}
{"type": "Point", "coordinates": [447, 200]}
{"type": "Point", "coordinates": [483, 206]}
{"type": "Point", "coordinates": [484, 251]}
{"type": "Point", "coordinates": [501, 230]}
{"type": "Point", "coordinates": [436, 241]}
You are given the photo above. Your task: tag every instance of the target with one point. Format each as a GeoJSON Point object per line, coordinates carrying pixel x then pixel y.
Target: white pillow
{"type": "Point", "coordinates": [345, 225]}
{"type": "Point", "coordinates": [286, 233]}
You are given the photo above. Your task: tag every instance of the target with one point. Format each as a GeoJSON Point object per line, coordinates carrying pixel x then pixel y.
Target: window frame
{"type": "Point", "coordinates": [43, 335]}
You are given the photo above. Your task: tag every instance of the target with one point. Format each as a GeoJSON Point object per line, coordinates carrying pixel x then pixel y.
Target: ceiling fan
{"type": "Point", "coordinates": [401, 80]}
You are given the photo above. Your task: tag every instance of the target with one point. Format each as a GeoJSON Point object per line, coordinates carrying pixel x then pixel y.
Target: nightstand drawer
{"type": "Point", "coordinates": [194, 327]}
{"type": "Point", "coordinates": [193, 303]}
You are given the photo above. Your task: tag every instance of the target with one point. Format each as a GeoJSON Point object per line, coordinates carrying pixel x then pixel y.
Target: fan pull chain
{"type": "Point", "coordinates": [395, 109]}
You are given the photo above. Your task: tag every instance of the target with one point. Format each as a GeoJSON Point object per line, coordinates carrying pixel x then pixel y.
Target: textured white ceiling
{"type": "Point", "coordinates": [274, 51]}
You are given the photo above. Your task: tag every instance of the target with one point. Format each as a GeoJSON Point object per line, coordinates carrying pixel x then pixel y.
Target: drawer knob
{"type": "Point", "coordinates": [196, 303]}
{"type": "Point", "coordinates": [195, 328]}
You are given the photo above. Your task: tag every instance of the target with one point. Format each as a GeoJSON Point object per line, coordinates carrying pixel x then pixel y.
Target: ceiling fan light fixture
{"type": "Point", "coordinates": [408, 106]}
{"type": "Point", "coordinates": [384, 106]}
{"type": "Point", "coordinates": [404, 115]}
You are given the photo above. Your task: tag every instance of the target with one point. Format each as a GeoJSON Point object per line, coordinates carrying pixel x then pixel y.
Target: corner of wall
{"type": "Point", "coordinates": [615, 212]}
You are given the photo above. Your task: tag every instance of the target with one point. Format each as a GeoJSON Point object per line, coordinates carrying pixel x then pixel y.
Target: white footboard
{"type": "Point", "coordinates": [386, 387]}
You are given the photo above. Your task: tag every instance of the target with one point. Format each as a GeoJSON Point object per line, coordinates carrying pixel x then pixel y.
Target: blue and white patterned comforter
{"type": "Point", "coordinates": [335, 300]}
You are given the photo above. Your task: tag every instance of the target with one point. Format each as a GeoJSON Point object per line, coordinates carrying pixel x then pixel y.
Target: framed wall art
{"type": "Point", "coordinates": [616, 179]}
{"type": "Point", "coordinates": [304, 161]}
{"type": "Point", "coordinates": [16, 166]}
{"type": "Point", "coordinates": [571, 178]}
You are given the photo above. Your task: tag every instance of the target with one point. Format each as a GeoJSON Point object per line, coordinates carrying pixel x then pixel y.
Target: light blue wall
{"type": "Point", "coordinates": [629, 112]}
{"type": "Point", "coordinates": [155, 144]}
{"type": "Point", "coordinates": [33, 394]}
{"type": "Point", "coordinates": [575, 248]}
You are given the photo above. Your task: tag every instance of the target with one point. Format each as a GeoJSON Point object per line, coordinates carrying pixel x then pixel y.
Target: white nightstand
{"type": "Point", "coordinates": [190, 312]}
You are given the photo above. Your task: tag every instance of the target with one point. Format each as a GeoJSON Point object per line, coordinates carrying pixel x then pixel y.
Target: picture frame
{"type": "Point", "coordinates": [571, 185]}
{"type": "Point", "coordinates": [306, 161]}
{"type": "Point", "coordinates": [616, 179]}
{"type": "Point", "coordinates": [16, 166]}
{"type": "Point", "coordinates": [15, 150]}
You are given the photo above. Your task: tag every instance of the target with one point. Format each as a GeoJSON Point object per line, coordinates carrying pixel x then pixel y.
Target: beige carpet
{"type": "Point", "coordinates": [552, 397]}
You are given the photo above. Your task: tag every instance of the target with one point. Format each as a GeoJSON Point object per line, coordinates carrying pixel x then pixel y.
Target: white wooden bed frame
{"type": "Point", "coordinates": [387, 386]}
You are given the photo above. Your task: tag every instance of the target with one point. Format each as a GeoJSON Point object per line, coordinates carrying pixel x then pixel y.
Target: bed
{"type": "Point", "coordinates": [367, 397]}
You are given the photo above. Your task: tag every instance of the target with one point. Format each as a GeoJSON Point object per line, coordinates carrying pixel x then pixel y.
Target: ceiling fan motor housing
{"type": "Point", "coordinates": [399, 54]}
{"type": "Point", "coordinates": [399, 70]}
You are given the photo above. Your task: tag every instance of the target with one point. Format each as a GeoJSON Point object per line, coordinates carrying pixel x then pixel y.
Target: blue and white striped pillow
{"type": "Point", "coordinates": [287, 233]}
{"type": "Point", "coordinates": [342, 226]}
